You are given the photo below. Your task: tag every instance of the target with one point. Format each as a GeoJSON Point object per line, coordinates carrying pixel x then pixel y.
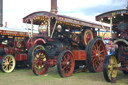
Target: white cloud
{"type": "Point", "coordinates": [70, 5]}
{"type": "Point", "coordinates": [15, 10]}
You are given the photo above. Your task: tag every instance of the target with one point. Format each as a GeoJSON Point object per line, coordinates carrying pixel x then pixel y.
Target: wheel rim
{"type": "Point", "coordinates": [40, 65]}
{"type": "Point", "coordinates": [112, 63]}
{"type": "Point", "coordinates": [8, 63]}
{"type": "Point", "coordinates": [98, 55]}
{"type": "Point", "coordinates": [38, 47]}
{"type": "Point", "coordinates": [87, 36]}
{"type": "Point", "coordinates": [67, 64]}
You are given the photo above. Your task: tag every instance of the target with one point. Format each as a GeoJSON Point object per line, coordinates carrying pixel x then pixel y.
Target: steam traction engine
{"type": "Point", "coordinates": [13, 49]}
{"type": "Point", "coordinates": [119, 35]}
{"type": "Point", "coordinates": [65, 42]}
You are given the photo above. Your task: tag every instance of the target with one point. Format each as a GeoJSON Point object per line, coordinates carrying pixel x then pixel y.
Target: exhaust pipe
{"type": "Point", "coordinates": [54, 6]}
{"type": "Point", "coordinates": [1, 13]}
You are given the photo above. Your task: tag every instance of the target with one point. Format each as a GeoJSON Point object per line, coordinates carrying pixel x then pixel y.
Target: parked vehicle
{"type": "Point", "coordinates": [66, 42]}
{"type": "Point", "coordinates": [119, 36]}
{"type": "Point", "coordinates": [13, 50]}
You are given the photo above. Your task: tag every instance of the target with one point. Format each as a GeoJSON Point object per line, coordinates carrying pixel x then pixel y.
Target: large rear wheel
{"type": "Point", "coordinates": [65, 63]}
{"type": "Point", "coordinates": [7, 63]}
{"type": "Point", "coordinates": [95, 54]}
{"type": "Point", "coordinates": [86, 36]}
{"type": "Point", "coordinates": [110, 68]}
{"type": "Point", "coordinates": [40, 62]}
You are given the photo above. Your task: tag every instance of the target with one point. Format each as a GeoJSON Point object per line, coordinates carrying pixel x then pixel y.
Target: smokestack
{"type": "Point", "coordinates": [1, 13]}
{"type": "Point", "coordinates": [54, 6]}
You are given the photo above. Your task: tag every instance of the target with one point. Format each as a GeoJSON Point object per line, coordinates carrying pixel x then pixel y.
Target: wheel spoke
{"type": "Point", "coordinates": [102, 51]}
{"type": "Point", "coordinates": [64, 68]}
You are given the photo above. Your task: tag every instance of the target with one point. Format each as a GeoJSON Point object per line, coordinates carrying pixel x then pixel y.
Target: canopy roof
{"type": "Point", "coordinates": [116, 15]}
{"type": "Point", "coordinates": [43, 16]}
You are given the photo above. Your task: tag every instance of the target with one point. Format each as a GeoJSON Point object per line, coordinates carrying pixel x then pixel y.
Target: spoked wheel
{"type": "Point", "coordinates": [7, 63]}
{"type": "Point", "coordinates": [95, 53]}
{"type": "Point", "coordinates": [109, 68]}
{"type": "Point", "coordinates": [65, 63]}
{"type": "Point", "coordinates": [39, 62]}
{"type": "Point", "coordinates": [86, 36]}
{"type": "Point", "coordinates": [31, 52]}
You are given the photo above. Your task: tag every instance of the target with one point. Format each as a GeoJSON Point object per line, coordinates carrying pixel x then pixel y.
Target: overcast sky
{"type": "Point", "coordinates": [15, 10]}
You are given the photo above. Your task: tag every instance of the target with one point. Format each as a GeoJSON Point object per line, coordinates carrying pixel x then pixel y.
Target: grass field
{"type": "Point", "coordinates": [25, 77]}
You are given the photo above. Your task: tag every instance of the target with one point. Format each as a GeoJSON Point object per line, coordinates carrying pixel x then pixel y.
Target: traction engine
{"type": "Point", "coordinates": [119, 35]}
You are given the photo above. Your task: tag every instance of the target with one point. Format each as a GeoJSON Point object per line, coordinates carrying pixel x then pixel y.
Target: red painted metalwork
{"type": "Point", "coordinates": [52, 62]}
{"type": "Point", "coordinates": [13, 33]}
{"type": "Point", "coordinates": [39, 41]}
{"type": "Point", "coordinates": [29, 43]}
{"type": "Point", "coordinates": [10, 50]}
{"type": "Point", "coordinates": [21, 57]}
{"type": "Point", "coordinates": [79, 54]}
{"type": "Point", "coordinates": [1, 45]}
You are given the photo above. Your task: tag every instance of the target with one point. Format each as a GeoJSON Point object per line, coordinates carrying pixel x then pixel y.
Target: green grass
{"type": "Point", "coordinates": [25, 77]}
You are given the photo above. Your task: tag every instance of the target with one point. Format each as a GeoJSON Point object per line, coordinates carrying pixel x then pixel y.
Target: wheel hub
{"type": "Point", "coordinates": [67, 62]}
{"type": "Point", "coordinates": [98, 55]}
{"type": "Point", "coordinates": [40, 62]}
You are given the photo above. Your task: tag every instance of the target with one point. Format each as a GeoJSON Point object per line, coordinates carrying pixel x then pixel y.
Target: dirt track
{"type": "Point", "coordinates": [25, 77]}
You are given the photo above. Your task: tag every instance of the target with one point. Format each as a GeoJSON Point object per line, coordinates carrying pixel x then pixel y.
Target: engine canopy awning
{"type": "Point", "coordinates": [116, 15]}
{"type": "Point", "coordinates": [42, 16]}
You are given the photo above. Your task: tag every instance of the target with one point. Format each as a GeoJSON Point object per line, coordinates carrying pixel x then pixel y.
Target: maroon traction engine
{"type": "Point", "coordinates": [65, 42]}
{"type": "Point", "coordinates": [13, 49]}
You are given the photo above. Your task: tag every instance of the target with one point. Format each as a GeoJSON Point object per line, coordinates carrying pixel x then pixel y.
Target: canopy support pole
{"type": "Point", "coordinates": [103, 28]}
{"type": "Point", "coordinates": [53, 29]}
{"type": "Point", "coordinates": [110, 27]}
{"type": "Point", "coordinates": [28, 30]}
{"type": "Point", "coordinates": [98, 31]}
{"type": "Point", "coordinates": [31, 28]}
{"type": "Point", "coordinates": [49, 27]}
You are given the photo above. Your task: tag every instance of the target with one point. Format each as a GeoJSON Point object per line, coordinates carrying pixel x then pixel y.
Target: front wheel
{"type": "Point", "coordinates": [65, 63]}
{"type": "Point", "coordinates": [109, 68]}
{"type": "Point", "coordinates": [7, 63]}
{"type": "Point", "coordinates": [40, 62]}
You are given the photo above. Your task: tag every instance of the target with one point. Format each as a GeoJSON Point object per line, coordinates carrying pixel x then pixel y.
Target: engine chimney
{"type": "Point", "coordinates": [54, 6]}
{"type": "Point", "coordinates": [1, 13]}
